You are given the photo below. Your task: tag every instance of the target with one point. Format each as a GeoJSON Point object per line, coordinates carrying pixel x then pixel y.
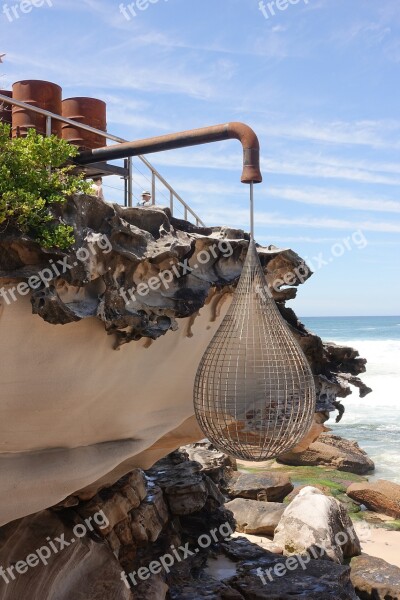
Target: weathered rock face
{"type": "Point", "coordinates": [171, 516]}
{"type": "Point", "coordinates": [319, 526]}
{"type": "Point", "coordinates": [218, 466]}
{"type": "Point", "coordinates": [255, 517]}
{"type": "Point", "coordinates": [90, 414]}
{"type": "Point", "coordinates": [375, 579]}
{"type": "Point", "coordinates": [132, 523]}
{"type": "Point", "coordinates": [268, 487]}
{"type": "Point", "coordinates": [332, 451]}
{"type": "Point", "coordinates": [381, 496]}
{"type": "Point", "coordinates": [316, 582]}
{"type": "Point", "coordinates": [82, 569]}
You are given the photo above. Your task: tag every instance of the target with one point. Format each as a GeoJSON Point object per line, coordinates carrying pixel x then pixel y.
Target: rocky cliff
{"type": "Point", "coordinates": [76, 414]}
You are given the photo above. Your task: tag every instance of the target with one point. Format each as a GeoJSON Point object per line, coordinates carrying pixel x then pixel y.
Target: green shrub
{"type": "Point", "coordinates": [29, 189]}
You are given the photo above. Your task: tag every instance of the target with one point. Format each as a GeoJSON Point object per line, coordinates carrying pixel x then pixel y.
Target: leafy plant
{"type": "Point", "coordinates": [33, 180]}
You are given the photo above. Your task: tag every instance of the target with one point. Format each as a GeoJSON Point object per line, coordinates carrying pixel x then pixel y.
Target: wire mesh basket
{"type": "Point", "coordinates": [254, 393]}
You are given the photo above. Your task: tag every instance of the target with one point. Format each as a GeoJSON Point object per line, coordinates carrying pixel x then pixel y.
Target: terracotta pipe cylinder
{"type": "Point", "coordinates": [41, 94]}
{"type": "Point", "coordinates": [89, 111]}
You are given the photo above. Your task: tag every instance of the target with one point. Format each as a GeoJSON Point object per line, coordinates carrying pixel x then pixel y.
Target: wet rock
{"type": "Point", "coordinates": [276, 578]}
{"type": "Point", "coordinates": [332, 451]}
{"type": "Point", "coordinates": [375, 579]}
{"type": "Point", "coordinates": [204, 587]}
{"type": "Point", "coordinates": [268, 487]}
{"type": "Point", "coordinates": [241, 549]}
{"type": "Point", "coordinates": [381, 496]}
{"type": "Point", "coordinates": [319, 525]}
{"type": "Point", "coordinates": [256, 517]}
{"type": "Point", "coordinates": [183, 485]}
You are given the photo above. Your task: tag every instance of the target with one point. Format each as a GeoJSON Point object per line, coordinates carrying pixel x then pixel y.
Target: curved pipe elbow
{"type": "Point", "coordinates": [251, 151]}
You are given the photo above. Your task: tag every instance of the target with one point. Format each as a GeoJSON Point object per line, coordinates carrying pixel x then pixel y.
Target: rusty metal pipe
{"type": "Point", "coordinates": [194, 137]}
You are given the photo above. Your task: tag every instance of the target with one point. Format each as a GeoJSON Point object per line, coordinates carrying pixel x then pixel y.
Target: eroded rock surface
{"type": "Point", "coordinates": [90, 414]}
{"type": "Point", "coordinates": [332, 451]}
{"type": "Point", "coordinates": [256, 517]}
{"type": "Point", "coordinates": [319, 526]}
{"type": "Point", "coordinates": [174, 506]}
{"type": "Point", "coordinates": [218, 466]}
{"type": "Point", "coordinates": [375, 579]}
{"type": "Point", "coordinates": [381, 496]}
{"type": "Point", "coordinates": [268, 487]}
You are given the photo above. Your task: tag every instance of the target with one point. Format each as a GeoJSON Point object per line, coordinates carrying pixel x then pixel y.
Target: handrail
{"type": "Point", "coordinates": [49, 115]}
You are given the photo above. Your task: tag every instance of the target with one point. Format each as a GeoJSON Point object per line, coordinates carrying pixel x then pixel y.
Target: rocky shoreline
{"type": "Point", "coordinates": [296, 534]}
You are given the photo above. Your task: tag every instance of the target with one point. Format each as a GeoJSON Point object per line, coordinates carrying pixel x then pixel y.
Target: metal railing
{"type": "Point", "coordinates": [129, 167]}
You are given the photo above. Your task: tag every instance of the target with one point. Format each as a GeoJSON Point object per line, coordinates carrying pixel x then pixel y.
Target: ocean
{"type": "Point", "coordinates": [373, 421]}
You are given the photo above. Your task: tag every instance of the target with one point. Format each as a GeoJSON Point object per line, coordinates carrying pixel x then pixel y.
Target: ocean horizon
{"type": "Point", "coordinates": [373, 421]}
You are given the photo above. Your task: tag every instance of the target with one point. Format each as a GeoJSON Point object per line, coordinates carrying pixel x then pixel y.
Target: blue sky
{"type": "Point", "coordinates": [319, 83]}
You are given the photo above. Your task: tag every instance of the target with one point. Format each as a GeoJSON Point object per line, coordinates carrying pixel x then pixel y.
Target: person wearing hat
{"type": "Point", "coordinates": [146, 199]}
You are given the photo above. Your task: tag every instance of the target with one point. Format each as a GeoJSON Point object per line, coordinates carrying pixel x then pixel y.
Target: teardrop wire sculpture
{"type": "Point", "coordinates": [254, 394]}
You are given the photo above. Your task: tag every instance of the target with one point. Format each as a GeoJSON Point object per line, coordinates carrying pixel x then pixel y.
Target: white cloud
{"type": "Point", "coordinates": [335, 198]}
{"type": "Point", "coordinates": [240, 218]}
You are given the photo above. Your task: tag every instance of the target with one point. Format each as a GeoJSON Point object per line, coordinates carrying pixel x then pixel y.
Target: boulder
{"type": "Point", "coordinates": [263, 575]}
{"type": "Point", "coordinates": [332, 451]}
{"type": "Point", "coordinates": [268, 487]}
{"type": "Point", "coordinates": [274, 579]}
{"type": "Point", "coordinates": [319, 526]}
{"type": "Point", "coordinates": [375, 579]}
{"type": "Point", "coordinates": [381, 496]}
{"type": "Point", "coordinates": [256, 517]}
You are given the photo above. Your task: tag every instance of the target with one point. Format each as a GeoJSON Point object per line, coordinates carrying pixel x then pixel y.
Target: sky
{"type": "Point", "coordinates": [318, 80]}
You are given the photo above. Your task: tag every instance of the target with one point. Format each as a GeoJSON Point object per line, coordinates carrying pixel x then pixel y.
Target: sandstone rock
{"type": "Point", "coordinates": [217, 465]}
{"type": "Point", "coordinates": [146, 524]}
{"type": "Point", "coordinates": [380, 496]}
{"type": "Point", "coordinates": [317, 428]}
{"type": "Point", "coordinates": [242, 578]}
{"type": "Point", "coordinates": [322, 488]}
{"type": "Point", "coordinates": [153, 589]}
{"type": "Point", "coordinates": [83, 570]}
{"type": "Point", "coordinates": [319, 580]}
{"type": "Point", "coordinates": [319, 525]}
{"type": "Point", "coordinates": [268, 487]}
{"type": "Point", "coordinates": [263, 575]}
{"type": "Point", "coordinates": [332, 451]}
{"type": "Point", "coordinates": [184, 487]}
{"type": "Point", "coordinates": [375, 579]}
{"type": "Point", "coordinates": [133, 424]}
{"type": "Point", "coordinates": [256, 517]}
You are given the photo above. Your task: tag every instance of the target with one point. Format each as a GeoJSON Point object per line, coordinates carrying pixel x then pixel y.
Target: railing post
{"type": "Point", "coordinates": [153, 187]}
{"type": "Point", "coordinates": [48, 126]}
{"type": "Point", "coordinates": [171, 202]}
{"type": "Point", "coordinates": [130, 182]}
{"type": "Point", "coordinates": [186, 213]}
{"type": "Point", "coordinates": [48, 134]}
